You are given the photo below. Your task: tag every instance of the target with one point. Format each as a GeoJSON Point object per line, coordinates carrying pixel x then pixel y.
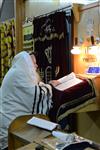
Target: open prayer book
{"type": "Point", "coordinates": [68, 81]}
{"type": "Point", "coordinates": [42, 123]}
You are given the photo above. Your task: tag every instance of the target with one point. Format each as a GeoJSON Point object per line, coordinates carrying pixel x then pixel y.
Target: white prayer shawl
{"type": "Point", "coordinates": [21, 94]}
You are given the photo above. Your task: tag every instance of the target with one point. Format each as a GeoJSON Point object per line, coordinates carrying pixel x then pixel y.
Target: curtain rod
{"type": "Point", "coordinates": [30, 19]}
{"type": "Point", "coordinates": [69, 7]}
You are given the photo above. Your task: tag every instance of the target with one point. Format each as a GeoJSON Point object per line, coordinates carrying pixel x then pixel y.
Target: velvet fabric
{"type": "Point", "coordinates": [51, 39]}
{"type": "Point", "coordinates": [68, 101]}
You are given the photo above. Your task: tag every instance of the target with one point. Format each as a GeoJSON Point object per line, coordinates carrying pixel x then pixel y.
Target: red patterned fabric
{"type": "Point", "coordinates": [71, 99]}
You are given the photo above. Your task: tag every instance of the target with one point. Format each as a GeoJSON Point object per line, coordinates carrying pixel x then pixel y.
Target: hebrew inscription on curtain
{"type": "Point", "coordinates": [51, 43]}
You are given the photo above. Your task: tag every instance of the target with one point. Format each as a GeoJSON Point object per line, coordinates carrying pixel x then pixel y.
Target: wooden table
{"type": "Point", "coordinates": [30, 146]}
{"type": "Point", "coordinates": [20, 133]}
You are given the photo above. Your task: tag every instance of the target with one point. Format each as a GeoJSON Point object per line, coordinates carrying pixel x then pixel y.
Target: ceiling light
{"type": "Point", "coordinates": [85, 2]}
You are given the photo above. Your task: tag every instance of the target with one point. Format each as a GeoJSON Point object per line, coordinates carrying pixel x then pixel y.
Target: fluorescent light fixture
{"type": "Point", "coordinates": [41, 1]}
{"type": "Point", "coordinates": [76, 50]}
{"type": "Point", "coordinates": [85, 2]}
{"type": "Point", "coordinates": [94, 50]}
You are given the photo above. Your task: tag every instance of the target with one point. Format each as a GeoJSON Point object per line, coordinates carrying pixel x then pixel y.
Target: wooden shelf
{"type": "Point", "coordinates": [88, 108]}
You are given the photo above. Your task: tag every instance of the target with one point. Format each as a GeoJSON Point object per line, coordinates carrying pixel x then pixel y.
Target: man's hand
{"type": "Point", "coordinates": [54, 82]}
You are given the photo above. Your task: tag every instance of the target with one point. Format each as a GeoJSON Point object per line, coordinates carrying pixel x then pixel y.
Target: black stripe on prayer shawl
{"type": "Point", "coordinates": [47, 101]}
{"type": "Point", "coordinates": [44, 107]}
{"type": "Point", "coordinates": [42, 101]}
{"type": "Point", "coordinates": [34, 99]}
{"type": "Point", "coordinates": [40, 95]}
{"type": "Point", "coordinates": [46, 96]}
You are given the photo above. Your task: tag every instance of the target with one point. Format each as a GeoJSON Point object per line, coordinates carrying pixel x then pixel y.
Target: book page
{"type": "Point", "coordinates": [42, 123]}
{"type": "Point", "coordinates": [67, 77]}
{"type": "Point", "coordinates": [69, 83]}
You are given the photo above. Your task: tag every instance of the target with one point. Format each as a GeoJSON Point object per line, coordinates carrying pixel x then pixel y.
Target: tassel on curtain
{"type": "Point", "coordinates": [51, 40]}
{"type": "Point", "coordinates": [7, 50]}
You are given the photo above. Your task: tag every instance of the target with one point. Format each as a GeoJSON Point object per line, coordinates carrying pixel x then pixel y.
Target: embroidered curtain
{"type": "Point", "coordinates": [51, 39]}
{"type": "Point", "coordinates": [7, 50]}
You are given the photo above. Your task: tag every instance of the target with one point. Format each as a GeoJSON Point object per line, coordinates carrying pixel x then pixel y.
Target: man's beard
{"type": "Point", "coordinates": [37, 76]}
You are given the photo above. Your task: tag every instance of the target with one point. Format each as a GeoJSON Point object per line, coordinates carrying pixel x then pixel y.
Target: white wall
{"type": "Point", "coordinates": [90, 21]}
{"type": "Point", "coordinates": [7, 10]}
{"type": "Point", "coordinates": [36, 7]}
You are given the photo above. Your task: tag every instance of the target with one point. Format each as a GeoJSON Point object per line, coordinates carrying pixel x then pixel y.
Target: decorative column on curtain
{"type": "Point", "coordinates": [28, 36]}
{"type": "Point", "coordinates": [51, 39]}
{"type": "Point", "coordinates": [7, 50]}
